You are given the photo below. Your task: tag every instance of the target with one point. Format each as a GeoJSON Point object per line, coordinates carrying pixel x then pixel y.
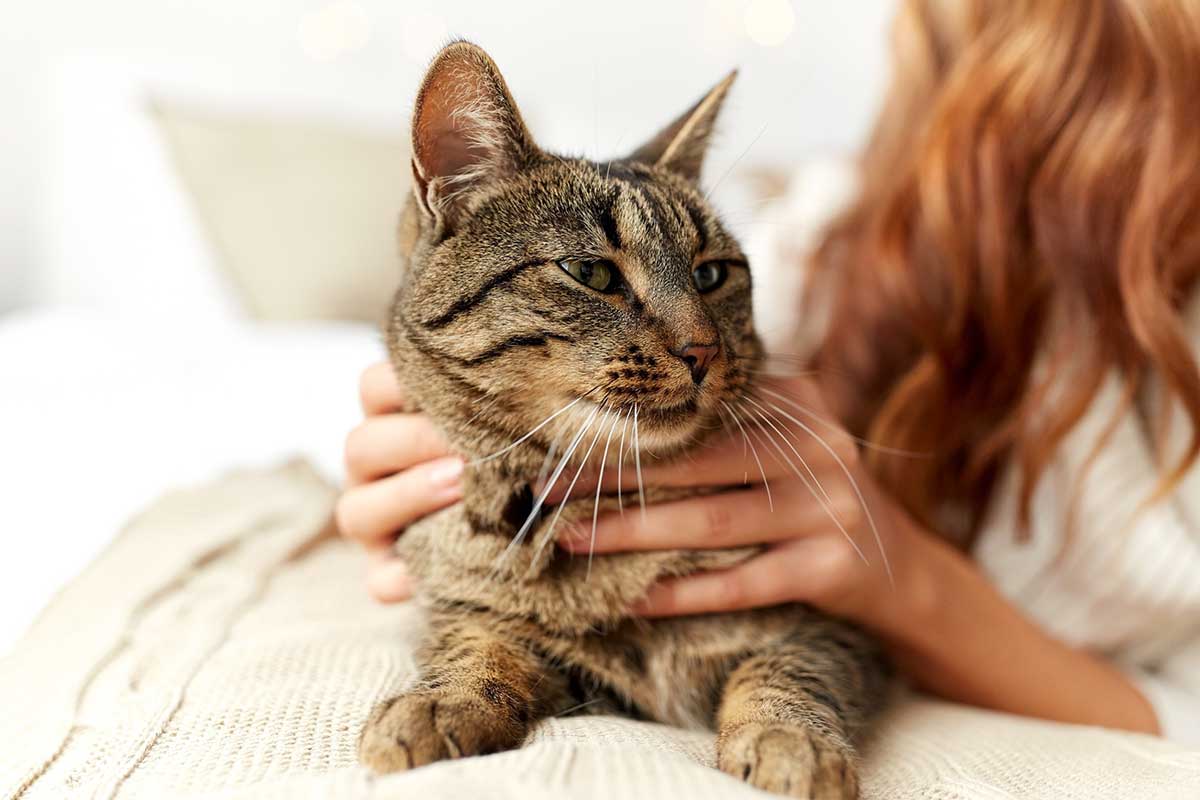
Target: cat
{"type": "Point", "coordinates": [546, 304]}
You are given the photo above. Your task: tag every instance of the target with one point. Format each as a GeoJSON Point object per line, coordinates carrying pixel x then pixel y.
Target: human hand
{"type": "Point", "coordinates": [398, 469]}
{"type": "Point", "coordinates": [832, 538]}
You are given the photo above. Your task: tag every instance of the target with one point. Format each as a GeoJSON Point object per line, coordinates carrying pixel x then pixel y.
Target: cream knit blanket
{"type": "Point", "coordinates": [224, 647]}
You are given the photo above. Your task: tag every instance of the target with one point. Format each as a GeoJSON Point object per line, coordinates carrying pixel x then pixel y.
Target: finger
{"type": "Point", "coordinates": [388, 579]}
{"type": "Point", "coordinates": [378, 390]}
{"type": "Point", "coordinates": [777, 576]}
{"type": "Point", "coordinates": [729, 519]}
{"type": "Point", "coordinates": [375, 512]}
{"type": "Point", "coordinates": [389, 443]}
{"type": "Point", "coordinates": [764, 455]}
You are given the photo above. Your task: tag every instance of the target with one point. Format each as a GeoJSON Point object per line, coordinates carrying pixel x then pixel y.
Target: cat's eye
{"type": "Point", "coordinates": [598, 275]}
{"type": "Point", "coordinates": [709, 275]}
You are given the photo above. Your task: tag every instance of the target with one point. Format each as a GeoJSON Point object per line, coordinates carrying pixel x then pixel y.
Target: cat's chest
{"type": "Point", "coordinates": [454, 563]}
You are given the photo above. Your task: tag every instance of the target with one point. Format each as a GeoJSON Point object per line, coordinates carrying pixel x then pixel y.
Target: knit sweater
{"type": "Point", "coordinates": [1125, 582]}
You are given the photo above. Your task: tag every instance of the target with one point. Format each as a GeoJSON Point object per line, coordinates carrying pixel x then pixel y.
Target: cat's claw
{"type": "Point", "coordinates": [789, 760]}
{"type": "Point", "coordinates": [417, 729]}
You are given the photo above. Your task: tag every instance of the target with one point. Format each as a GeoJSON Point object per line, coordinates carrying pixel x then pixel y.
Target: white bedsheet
{"type": "Point", "coordinates": [100, 415]}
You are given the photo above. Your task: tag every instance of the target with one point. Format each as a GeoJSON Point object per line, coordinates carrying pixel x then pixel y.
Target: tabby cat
{"type": "Point", "coordinates": [549, 304]}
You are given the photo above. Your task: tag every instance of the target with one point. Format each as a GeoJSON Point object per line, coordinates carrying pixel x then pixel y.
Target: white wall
{"type": "Point", "coordinates": [591, 77]}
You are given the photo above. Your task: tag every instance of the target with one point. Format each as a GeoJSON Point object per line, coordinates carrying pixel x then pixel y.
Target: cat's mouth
{"type": "Point", "coordinates": [662, 424]}
{"type": "Point", "coordinates": [666, 428]}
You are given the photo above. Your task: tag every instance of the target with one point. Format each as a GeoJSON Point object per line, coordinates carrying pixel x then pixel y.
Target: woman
{"type": "Point", "coordinates": [1011, 341]}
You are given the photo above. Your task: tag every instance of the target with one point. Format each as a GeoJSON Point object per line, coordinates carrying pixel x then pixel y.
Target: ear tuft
{"type": "Point", "coordinates": [680, 147]}
{"type": "Point", "coordinates": [466, 130]}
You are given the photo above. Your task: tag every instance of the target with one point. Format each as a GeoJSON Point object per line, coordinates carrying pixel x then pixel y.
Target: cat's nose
{"type": "Point", "coordinates": [697, 357]}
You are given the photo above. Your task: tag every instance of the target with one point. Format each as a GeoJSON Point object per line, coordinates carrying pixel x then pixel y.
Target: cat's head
{"type": "Point", "coordinates": [534, 280]}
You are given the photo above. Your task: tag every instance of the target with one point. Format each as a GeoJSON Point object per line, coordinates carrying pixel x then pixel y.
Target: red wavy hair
{"type": "Point", "coordinates": [1031, 194]}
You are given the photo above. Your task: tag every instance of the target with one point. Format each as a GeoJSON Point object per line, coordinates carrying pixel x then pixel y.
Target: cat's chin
{"type": "Point", "coordinates": [668, 416]}
{"type": "Point", "coordinates": [666, 430]}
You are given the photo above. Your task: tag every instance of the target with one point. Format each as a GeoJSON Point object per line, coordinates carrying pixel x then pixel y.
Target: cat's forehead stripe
{"type": "Point", "coordinates": [698, 223]}
{"type": "Point", "coordinates": [608, 222]}
{"type": "Point", "coordinates": [639, 211]}
{"type": "Point", "coordinates": [656, 215]}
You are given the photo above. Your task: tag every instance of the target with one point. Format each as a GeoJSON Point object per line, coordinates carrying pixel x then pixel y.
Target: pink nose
{"type": "Point", "coordinates": [697, 357]}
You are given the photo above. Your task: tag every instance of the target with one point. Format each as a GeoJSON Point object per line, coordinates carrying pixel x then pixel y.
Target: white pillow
{"type": "Point", "coordinates": [119, 233]}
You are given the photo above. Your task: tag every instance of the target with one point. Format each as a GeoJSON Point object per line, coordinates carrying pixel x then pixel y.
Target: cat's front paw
{"type": "Point", "coordinates": [790, 760]}
{"type": "Point", "coordinates": [416, 729]}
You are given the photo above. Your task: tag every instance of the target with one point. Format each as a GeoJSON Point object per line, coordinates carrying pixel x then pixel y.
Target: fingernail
{"type": "Point", "coordinates": [446, 472]}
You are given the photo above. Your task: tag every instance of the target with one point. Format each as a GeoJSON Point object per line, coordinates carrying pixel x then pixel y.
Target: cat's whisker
{"type": "Point", "coordinates": [777, 373]}
{"type": "Point", "coordinates": [768, 364]}
{"type": "Point", "coordinates": [548, 536]}
{"type": "Point", "coordinates": [731, 167]}
{"type": "Point", "coordinates": [558, 470]}
{"type": "Point", "coordinates": [620, 462]}
{"type": "Point", "coordinates": [835, 428]}
{"type": "Point", "coordinates": [766, 360]}
{"type": "Point", "coordinates": [487, 406]}
{"type": "Point", "coordinates": [754, 451]}
{"type": "Point", "coordinates": [595, 112]}
{"type": "Point", "coordinates": [818, 492]}
{"type": "Point", "coordinates": [579, 706]}
{"type": "Point", "coordinates": [794, 368]}
{"type": "Point", "coordinates": [535, 429]}
{"type": "Point", "coordinates": [637, 458]}
{"type": "Point", "coordinates": [853, 485]}
{"type": "Point", "coordinates": [771, 420]}
{"type": "Point", "coordinates": [725, 428]}
{"type": "Point", "coordinates": [774, 355]}
{"type": "Point", "coordinates": [805, 357]}
{"type": "Point", "coordinates": [544, 470]}
{"type": "Point", "coordinates": [758, 434]}
{"type": "Point", "coordinates": [599, 484]}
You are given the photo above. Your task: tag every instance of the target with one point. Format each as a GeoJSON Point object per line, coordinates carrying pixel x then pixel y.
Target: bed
{"type": "Point", "coordinates": [223, 646]}
{"type": "Point", "coordinates": [177, 616]}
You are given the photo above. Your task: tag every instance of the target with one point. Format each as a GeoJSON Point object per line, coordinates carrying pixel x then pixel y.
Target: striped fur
{"type": "Point", "coordinates": [492, 338]}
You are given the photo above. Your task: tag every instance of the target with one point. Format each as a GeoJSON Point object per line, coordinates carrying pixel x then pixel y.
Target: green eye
{"type": "Point", "coordinates": [598, 275]}
{"type": "Point", "coordinates": [709, 275]}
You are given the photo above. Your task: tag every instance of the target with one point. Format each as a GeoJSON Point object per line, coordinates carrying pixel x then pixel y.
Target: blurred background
{"type": "Point", "coordinates": [198, 201]}
{"type": "Point", "coordinates": [77, 78]}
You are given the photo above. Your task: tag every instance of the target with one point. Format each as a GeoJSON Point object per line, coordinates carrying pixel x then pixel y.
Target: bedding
{"type": "Point", "coordinates": [223, 646]}
{"type": "Point", "coordinates": [99, 413]}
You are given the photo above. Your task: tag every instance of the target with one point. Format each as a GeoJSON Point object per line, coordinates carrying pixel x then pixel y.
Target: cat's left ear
{"type": "Point", "coordinates": [466, 131]}
{"type": "Point", "coordinates": [680, 146]}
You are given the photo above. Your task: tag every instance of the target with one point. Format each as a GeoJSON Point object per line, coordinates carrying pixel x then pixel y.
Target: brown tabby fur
{"type": "Point", "coordinates": [491, 337]}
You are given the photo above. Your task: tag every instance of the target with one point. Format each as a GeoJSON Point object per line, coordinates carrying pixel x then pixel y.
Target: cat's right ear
{"type": "Point", "coordinates": [466, 130]}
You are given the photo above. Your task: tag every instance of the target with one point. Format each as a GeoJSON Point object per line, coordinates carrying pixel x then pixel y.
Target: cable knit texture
{"type": "Point", "coordinates": [224, 647]}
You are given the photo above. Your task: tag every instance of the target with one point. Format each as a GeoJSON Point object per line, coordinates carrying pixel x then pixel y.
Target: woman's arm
{"type": "Point", "coordinates": [962, 640]}
{"type": "Point", "coordinates": [947, 628]}
{"type": "Point", "coordinates": [946, 625]}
